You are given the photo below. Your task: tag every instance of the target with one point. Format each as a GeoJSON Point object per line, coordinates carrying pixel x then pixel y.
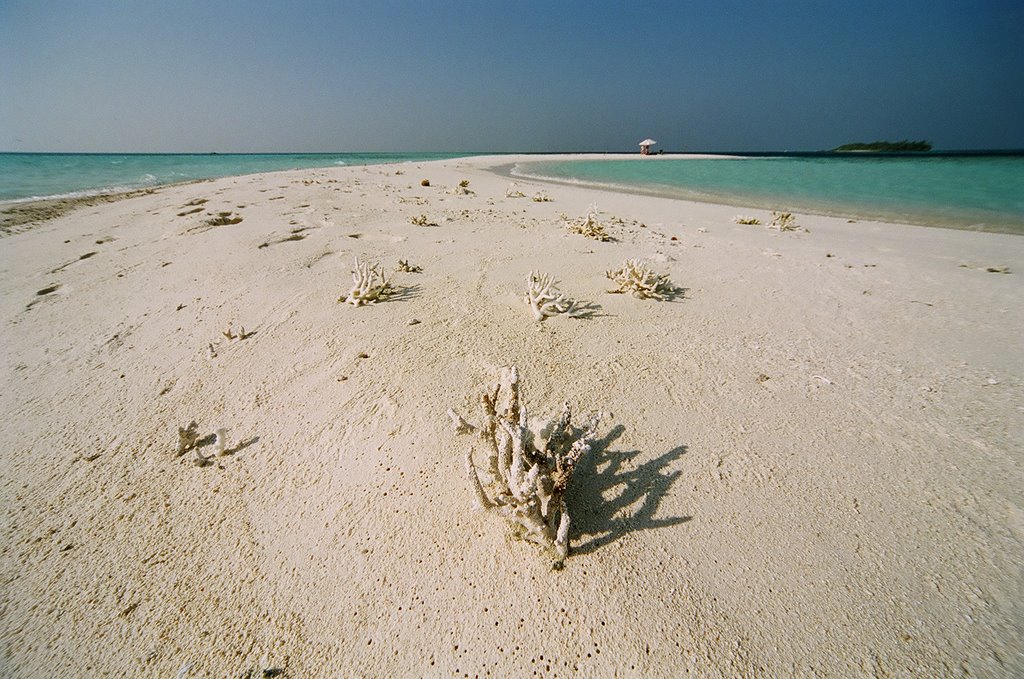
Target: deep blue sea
{"type": "Point", "coordinates": [982, 191]}
{"type": "Point", "coordinates": [45, 175]}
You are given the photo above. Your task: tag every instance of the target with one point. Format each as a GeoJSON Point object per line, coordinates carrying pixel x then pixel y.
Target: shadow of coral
{"type": "Point", "coordinates": [401, 293]}
{"type": "Point", "coordinates": [675, 292]}
{"type": "Point", "coordinates": [586, 311]}
{"type": "Point", "coordinates": [603, 497]}
{"type": "Point", "coordinates": [211, 438]}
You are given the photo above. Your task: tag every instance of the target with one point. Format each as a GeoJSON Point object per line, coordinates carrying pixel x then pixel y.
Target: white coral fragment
{"type": "Point", "coordinates": [529, 471]}
{"type": "Point", "coordinates": [637, 278]}
{"type": "Point", "coordinates": [462, 189]}
{"type": "Point", "coordinates": [221, 441]}
{"type": "Point", "coordinates": [544, 298]}
{"type": "Point", "coordinates": [783, 221]}
{"type": "Point", "coordinates": [421, 220]}
{"type": "Point", "coordinates": [541, 197]}
{"type": "Point", "coordinates": [368, 285]}
{"type": "Point", "coordinates": [589, 226]}
{"type": "Point", "coordinates": [513, 192]}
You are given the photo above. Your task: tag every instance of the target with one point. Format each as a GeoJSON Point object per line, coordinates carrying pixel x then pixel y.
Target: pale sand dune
{"type": "Point", "coordinates": [811, 467]}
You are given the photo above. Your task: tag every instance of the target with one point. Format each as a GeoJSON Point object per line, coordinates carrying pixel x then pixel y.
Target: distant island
{"type": "Point", "coordinates": [904, 145]}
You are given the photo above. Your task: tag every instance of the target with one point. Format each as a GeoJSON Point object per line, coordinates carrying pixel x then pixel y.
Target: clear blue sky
{"type": "Point", "coordinates": [224, 75]}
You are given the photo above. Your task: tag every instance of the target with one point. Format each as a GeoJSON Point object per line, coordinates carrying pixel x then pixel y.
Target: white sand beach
{"type": "Point", "coordinates": [809, 463]}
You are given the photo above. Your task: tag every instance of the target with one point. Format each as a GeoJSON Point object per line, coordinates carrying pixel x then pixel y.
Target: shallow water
{"type": "Point", "coordinates": [49, 175]}
{"type": "Point", "coordinates": [982, 192]}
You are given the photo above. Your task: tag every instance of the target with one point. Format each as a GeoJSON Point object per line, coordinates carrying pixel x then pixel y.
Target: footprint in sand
{"type": "Point", "coordinates": [196, 204]}
{"type": "Point", "coordinates": [42, 294]}
{"type": "Point", "coordinates": [294, 235]}
{"type": "Point", "coordinates": [226, 218]}
{"type": "Point", "coordinates": [67, 264]}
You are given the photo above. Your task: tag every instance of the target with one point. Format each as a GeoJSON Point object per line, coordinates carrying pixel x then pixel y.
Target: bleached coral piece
{"type": "Point", "coordinates": [187, 437]}
{"type": "Point", "coordinates": [544, 298]}
{"type": "Point", "coordinates": [783, 221]}
{"type": "Point", "coordinates": [421, 220]}
{"type": "Point", "coordinates": [462, 189]}
{"type": "Point", "coordinates": [740, 219]}
{"type": "Point", "coordinates": [368, 285]}
{"type": "Point", "coordinates": [513, 192]}
{"type": "Point", "coordinates": [589, 226]}
{"type": "Point", "coordinates": [220, 443]}
{"type": "Point", "coordinates": [637, 278]}
{"type": "Point", "coordinates": [529, 470]}
{"type": "Point", "coordinates": [231, 336]}
{"type": "Point", "coordinates": [541, 197]}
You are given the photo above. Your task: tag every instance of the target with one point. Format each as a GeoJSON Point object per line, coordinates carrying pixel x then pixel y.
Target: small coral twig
{"type": "Point", "coordinates": [368, 285]}
{"type": "Point", "coordinates": [529, 469]}
{"type": "Point", "coordinates": [589, 226]}
{"type": "Point", "coordinates": [783, 221]}
{"type": "Point", "coordinates": [187, 437]}
{"type": "Point", "coordinates": [220, 443]}
{"type": "Point", "coordinates": [636, 278]}
{"type": "Point", "coordinates": [513, 192]}
{"type": "Point", "coordinates": [541, 197]}
{"type": "Point", "coordinates": [404, 265]}
{"type": "Point", "coordinates": [544, 298]}
{"type": "Point", "coordinates": [462, 189]}
{"type": "Point", "coordinates": [740, 219]}
{"type": "Point", "coordinates": [421, 220]}
{"type": "Point", "coordinates": [232, 337]}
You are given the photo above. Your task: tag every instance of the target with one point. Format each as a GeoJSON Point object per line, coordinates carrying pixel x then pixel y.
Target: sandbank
{"type": "Point", "coordinates": [810, 462]}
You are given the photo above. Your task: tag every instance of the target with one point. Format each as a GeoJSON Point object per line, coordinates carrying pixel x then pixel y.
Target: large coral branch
{"type": "Point", "coordinates": [368, 284]}
{"type": "Point", "coordinates": [544, 298]}
{"type": "Point", "coordinates": [530, 469]}
{"type": "Point", "coordinates": [783, 221]}
{"type": "Point", "coordinates": [635, 277]}
{"type": "Point", "coordinates": [589, 226]}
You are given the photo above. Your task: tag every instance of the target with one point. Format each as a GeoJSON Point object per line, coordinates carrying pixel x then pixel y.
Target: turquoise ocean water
{"type": "Point", "coordinates": [43, 175]}
{"type": "Point", "coordinates": [955, 190]}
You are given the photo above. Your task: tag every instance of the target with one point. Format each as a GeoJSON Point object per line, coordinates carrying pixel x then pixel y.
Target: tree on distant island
{"type": "Point", "coordinates": [904, 145]}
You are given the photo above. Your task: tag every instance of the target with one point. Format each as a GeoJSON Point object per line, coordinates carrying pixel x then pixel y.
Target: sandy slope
{"type": "Point", "coordinates": [812, 464]}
